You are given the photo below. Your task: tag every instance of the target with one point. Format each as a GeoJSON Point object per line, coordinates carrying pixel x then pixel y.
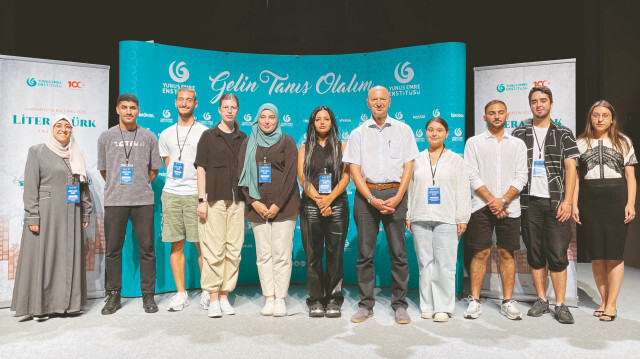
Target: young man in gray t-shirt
{"type": "Point", "coordinates": [128, 160]}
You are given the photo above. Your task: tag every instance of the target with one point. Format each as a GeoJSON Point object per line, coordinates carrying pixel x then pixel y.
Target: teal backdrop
{"type": "Point", "coordinates": [423, 81]}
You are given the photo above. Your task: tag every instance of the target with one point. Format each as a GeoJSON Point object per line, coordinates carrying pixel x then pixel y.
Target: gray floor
{"type": "Point", "coordinates": [131, 333]}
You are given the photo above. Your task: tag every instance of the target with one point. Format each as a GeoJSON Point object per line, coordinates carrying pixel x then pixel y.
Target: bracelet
{"type": "Point", "coordinates": [567, 202]}
{"type": "Point", "coordinates": [371, 198]}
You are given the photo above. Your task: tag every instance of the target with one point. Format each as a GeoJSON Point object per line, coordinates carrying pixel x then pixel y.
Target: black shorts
{"type": "Point", "coordinates": [547, 239]}
{"type": "Point", "coordinates": [479, 233]}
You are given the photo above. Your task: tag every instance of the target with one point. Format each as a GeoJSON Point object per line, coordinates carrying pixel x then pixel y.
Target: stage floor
{"type": "Point", "coordinates": [131, 333]}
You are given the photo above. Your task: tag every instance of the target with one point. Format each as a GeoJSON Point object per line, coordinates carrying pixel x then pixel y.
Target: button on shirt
{"type": "Point", "coordinates": [498, 166]}
{"type": "Point", "coordinates": [381, 152]}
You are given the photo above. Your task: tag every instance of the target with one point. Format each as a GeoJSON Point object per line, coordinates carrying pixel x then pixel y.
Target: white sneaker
{"type": "Point", "coordinates": [178, 302]}
{"type": "Point", "coordinates": [226, 307]}
{"type": "Point", "coordinates": [214, 310]}
{"type": "Point", "coordinates": [268, 307]}
{"type": "Point", "coordinates": [441, 317]}
{"type": "Point", "coordinates": [204, 299]}
{"type": "Point", "coordinates": [474, 310]}
{"type": "Point", "coordinates": [426, 315]}
{"type": "Point", "coordinates": [510, 311]}
{"type": "Point", "coordinates": [279, 308]}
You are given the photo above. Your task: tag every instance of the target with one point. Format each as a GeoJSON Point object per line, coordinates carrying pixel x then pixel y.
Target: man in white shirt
{"type": "Point", "coordinates": [497, 164]}
{"type": "Point", "coordinates": [178, 145]}
{"type": "Point", "coordinates": [381, 153]}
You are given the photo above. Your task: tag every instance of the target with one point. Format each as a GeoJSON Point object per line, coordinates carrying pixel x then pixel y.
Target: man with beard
{"type": "Point", "coordinates": [547, 201]}
{"type": "Point", "coordinates": [178, 145]}
{"type": "Point", "coordinates": [498, 171]}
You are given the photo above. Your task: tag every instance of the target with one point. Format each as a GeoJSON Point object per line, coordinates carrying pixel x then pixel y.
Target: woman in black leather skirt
{"type": "Point", "coordinates": [324, 212]}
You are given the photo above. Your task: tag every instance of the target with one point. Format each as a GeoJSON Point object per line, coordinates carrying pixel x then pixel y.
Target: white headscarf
{"type": "Point", "coordinates": [70, 150]}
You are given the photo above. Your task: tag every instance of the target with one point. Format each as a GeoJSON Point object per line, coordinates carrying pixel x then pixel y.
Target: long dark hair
{"type": "Point", "coordinates": [332, 148]}
{"type": "Point", "coordinates": [619, 141]}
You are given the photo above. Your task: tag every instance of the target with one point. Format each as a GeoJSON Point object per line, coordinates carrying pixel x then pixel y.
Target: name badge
{"type": "Point", "coordinates": [178, 170]}
{"type": "Point", "coordinates": [126, 174]}
{"type": "Point", "coordinates": [324, 184]}
{"type": "Point", "coordinates": [264, 172]}
{"type": "Point", "coordinates": [433, 195]}
{"type": "Point", "coordinates": [73, 194]}
{"type": "Point", "coordinates": [538, 169]}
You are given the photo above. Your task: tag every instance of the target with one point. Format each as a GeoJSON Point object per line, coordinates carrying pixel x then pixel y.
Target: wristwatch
{"type": "Point", "coordinates": [371, 198]}
{"type": "Point", "coordinates": [200, 200]}
{"type": "Point", "coordinates": [504, 202]}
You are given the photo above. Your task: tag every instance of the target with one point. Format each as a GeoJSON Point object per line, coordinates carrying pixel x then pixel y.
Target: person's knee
{"type": "Point", "coordinates": [505, 254]}
{"type": "Point", "coordinates": [482, 254]}
{"type": "Point", "coordinates": [177, 246]}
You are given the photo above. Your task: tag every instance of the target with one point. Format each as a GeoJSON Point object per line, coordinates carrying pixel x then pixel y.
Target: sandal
{"type": "Point", "coordinates": [608, 317]}
{"type": "Point", "coordinates": [598, 313]}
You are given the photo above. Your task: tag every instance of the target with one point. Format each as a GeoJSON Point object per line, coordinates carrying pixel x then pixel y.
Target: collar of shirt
{"type": "Point", "coordinates": [488, 135]}
{"type": "Point", "coordinates": [371, 123]}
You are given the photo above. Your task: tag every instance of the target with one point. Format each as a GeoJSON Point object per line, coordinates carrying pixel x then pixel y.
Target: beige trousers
{"type": "Point", "coordinates": [221, 237]}
{"type": "Point", "coordinates": [274, 244]}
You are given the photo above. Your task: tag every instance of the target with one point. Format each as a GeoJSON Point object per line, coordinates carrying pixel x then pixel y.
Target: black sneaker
{"type": "Point", "coordinates": [316, 310]}
{"type": "Point", "coordinates": [333, 310]}
{"type": "Point", "coordinates": [113, 302]}
{"type": "Point", "coordinates": [563, 315]}
{"type": "Point", "coordinates": [148, 303]}
{"type": "Point", "coordinates": [540, 307]}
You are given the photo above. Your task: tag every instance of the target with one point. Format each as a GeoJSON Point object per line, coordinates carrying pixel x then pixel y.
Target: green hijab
{"type": "Point", "coordinates": [249, 175]}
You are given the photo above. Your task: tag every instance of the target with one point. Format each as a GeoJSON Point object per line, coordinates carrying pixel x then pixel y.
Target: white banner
{"type": "Point", "coordinates": [511, 84]}
{"type": "Point", "coordinates": [32, 92]}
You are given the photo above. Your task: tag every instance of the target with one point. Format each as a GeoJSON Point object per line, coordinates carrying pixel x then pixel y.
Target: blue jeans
{"type": "Point", "coordinates": [436, 246]}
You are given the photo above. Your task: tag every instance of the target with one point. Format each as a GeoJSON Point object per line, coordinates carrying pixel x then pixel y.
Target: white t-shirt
{"type": "Point", "coordinates": [539, 183]}
{"type": "Point", "coordinates": [170, 144]}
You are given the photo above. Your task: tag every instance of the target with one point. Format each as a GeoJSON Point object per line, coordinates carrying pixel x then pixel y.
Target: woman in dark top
{"type": "Point", "coordinates": [324, 212]}
{"type": "Point", "coordinates": [267, 160]}
{"type": "Point", "coordinates": [605, 201]}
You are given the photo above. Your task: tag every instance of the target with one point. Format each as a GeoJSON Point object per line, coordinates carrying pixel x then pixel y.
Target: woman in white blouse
{"type": "Point", "coordinates": [605, 201]}
{"type": "Point", "coordinates": [438, 211]}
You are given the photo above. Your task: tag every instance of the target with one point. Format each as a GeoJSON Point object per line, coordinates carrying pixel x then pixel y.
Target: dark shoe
{"type": "Point", "coordinates": [608, 317]}
{"type": "Point", "coordinates": [540, 307]}
{"type": "Point", "coordinates": [563, 315]}
{"type": "Point", "coordinates": [333, 311]}
{"type": "Point", "coordinates": [113, 302]}
{"type": "Point", "coordinates": [316, 310]}
{"type": "Point", "coordinates": [361, 315]}
{"type": "Point", "coordinates": [402, 317]}
{"type": "Point", "coordinates": [148, 303]}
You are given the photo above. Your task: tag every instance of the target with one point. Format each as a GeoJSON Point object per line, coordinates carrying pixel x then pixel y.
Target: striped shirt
{"type": "Point", "coordinates": [559, 145]}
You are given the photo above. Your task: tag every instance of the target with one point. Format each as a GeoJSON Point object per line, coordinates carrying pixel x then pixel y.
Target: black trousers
{"type": "Point", "coordinates": [368, 219]}
{"type": "Point", "coordinates": [115, 227]}
{"type": "Point", "coordinates": [319, 235]}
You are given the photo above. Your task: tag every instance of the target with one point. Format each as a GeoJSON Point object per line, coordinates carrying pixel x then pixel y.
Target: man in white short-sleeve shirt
{"type": "Point", "coordinates": [178, 145]}
{"type": "Point", "coordinates": [381, 153]}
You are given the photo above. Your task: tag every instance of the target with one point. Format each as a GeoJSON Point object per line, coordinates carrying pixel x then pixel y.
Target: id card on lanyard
{"type": "Point", "coordinates": [178, 170]}
{"type": "Point", "coordinates": [433, 195]}
{"type": "Point", "coordinates": [73, 194]}
{"type": "Point", "coordinates": [539, 169]}
{"type": "Point", "coordinates": [264, 171]}
{"type": "Point", "coordinates": [324, 183]}
{"type": "Point", "coordinates": [126, 174]}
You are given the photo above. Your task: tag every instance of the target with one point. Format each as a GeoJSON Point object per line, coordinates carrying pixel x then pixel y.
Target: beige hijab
{"type": "Point", "coordinates": [70, 150]}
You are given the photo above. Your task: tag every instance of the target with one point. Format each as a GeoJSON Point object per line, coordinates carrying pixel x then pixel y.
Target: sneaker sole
{"type": "Point", "coordinates": [316, 315]}
{"type": "Point", "coordinates": [358, 320]}
{"type": "Point", "coordinates": [151, 310]}
{"type": "Point", "coordinates": [472, 316]}
{"type": "Point", "coordinates": [515, 317]}
{"type": "Point", "coordinates": [403, 321]}
{"type": "Point", "coordinates": [279, 314]}
{"type": "Point", "coordinates": [333, 314]}
{"type": "Point", "coordinates": [214, 315]}
{"type": "Point", "coordinates": [537, 315]}
{"type": "Point", "coordinates": [444, 320]}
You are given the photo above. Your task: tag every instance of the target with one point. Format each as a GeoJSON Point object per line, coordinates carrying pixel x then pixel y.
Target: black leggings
{"type": "Point", "coordinates": [320, 233]}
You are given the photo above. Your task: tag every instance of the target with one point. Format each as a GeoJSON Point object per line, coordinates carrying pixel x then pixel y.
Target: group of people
{"type": "Point", "coordinates": [219, 177]}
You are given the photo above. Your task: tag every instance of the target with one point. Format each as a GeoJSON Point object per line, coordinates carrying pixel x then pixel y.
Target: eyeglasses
{"type": "Point", "coordinates": [605, 116]}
